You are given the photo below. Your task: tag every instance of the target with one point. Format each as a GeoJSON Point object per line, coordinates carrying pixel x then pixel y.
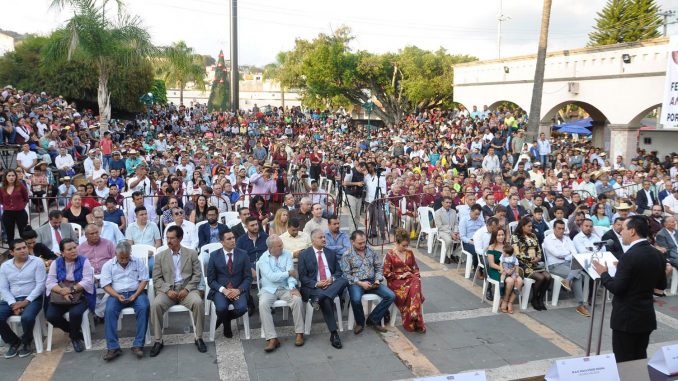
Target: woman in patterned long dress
{"type": "Point", "coordinates": [527, 250]}
{"type": "Point", "coordinates": [402, 273]}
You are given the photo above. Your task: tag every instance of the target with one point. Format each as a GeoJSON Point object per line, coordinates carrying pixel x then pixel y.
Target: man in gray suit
{"type": "Point", "coordinates": [176, 276]}
{"type": "Point", "coordinates": [447, 224]}
{"type": "Point", "coordinates": [667, 238]}
{"type": "Point", "coordinates": [54, 231]}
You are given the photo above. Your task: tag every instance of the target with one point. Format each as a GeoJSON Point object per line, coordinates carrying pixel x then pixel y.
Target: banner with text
{"type": "Point", "coordinates": [669, 115]}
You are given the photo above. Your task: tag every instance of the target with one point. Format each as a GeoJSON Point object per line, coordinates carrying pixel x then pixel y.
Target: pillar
{"type": "Point", "coordinates": [597, 137]}
{"type": "Point", "coordinates": [623, 141]}
{"type": "Point", "coordinates": [545, 128]}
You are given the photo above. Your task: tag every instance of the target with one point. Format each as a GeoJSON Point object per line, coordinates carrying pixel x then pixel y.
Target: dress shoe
{"type": "Point", "coordinates": [377, 327]}
{"type": "Point", "coordinates": [566, 284]}
{"type": "Point", "coordinates": [357, 329]}
{"type": "Point", "coordinates": [112, 354]}
{"type": "Point", "coordinates": [583, 311]}
{"type": "Point", "coordinates": [138, 351]}
{"type": "Point", "coordinates": [448, 260]}
{"type": "Point", "coordinates": [157, 347]}
{"type": "Point", "coordinates": [271, 345]}
{"type": "Point", "coordinates": [299, 340]}
{"type": "Point", "coordinates": [335, 340]}
{"type": "Point", "coordinates": [228, 333]}
{"type": "Point", "coordinates": [202, 348]}
{"type": "Point", "coordinates": [77, 345]}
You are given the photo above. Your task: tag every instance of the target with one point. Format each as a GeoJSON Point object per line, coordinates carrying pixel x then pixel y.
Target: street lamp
{"type": "Point", "coordinates": [369, 106]}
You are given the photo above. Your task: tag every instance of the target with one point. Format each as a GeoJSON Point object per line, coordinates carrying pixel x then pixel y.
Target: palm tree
{"type": "Point", "coordinates": [538, 84]}
{"type": "Point", "coordinates": [108, 45]}
{"type": "Point", "coordinates": [178, 65]}
{"type": "Point", "coordinates": [274, 71]}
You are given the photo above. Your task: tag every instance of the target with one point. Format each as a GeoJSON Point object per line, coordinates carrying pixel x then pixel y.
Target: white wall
{"type": "Point", "coordinates": [6, 44]}
{"type": "Point", "coordinates": [662, 141]}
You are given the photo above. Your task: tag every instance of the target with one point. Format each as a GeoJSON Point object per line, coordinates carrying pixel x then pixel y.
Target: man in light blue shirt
{"type": "Point", "coordinates": [278, 282]}
{"type": "Point", "coordinates": [469, 226]}
{"type": "Point", "coordinates": [22, 284]}
{"type": "Point", "coordinates": [336, 239]}
{"type": "Point", "coordinates": [125, 278]}
{"type": "Point", "coordinates": [109, 230]}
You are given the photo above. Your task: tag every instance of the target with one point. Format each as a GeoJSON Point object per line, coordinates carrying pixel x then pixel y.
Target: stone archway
{"type": "Point", "coordinates": [599, 120]}
{"type": "Point", "coordinates": [636, 122]}
{"type": "Point", "coordinates": [494, 105]}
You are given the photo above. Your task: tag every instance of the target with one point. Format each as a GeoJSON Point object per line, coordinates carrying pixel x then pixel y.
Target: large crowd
{"type": "Point", "coordinates": [185, 207]}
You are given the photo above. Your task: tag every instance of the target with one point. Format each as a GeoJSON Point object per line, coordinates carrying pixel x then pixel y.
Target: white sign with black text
{"type": "Point", "coordinates": [665, 360]}
{"type": "Point", "coordinates": [594, 368]}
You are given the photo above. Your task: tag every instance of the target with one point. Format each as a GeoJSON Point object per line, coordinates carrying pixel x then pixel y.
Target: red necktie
{"type": "Point", "coordinates": [57, 234]}
{"type": "Point", "coordinates": [229, 264]}
{"type": "Point", "coordinates": [515, 213]}
{"type": "Point", "coordinates": [321, 266]}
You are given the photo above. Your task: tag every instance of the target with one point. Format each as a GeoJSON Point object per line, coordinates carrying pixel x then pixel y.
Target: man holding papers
{"type": "Point", "coordinates": [640, 270]}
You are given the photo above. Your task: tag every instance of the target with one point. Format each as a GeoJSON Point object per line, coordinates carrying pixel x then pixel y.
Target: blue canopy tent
{"type": "Point", "coordinates": [576, 127]}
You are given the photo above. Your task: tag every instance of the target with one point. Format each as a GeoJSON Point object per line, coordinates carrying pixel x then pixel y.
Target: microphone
{"type": "Point", "coordinates": [607, 242]}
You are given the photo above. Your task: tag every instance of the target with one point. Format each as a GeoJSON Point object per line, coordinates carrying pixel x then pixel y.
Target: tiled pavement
{"type": "Point", "coordinates": [463, 334]}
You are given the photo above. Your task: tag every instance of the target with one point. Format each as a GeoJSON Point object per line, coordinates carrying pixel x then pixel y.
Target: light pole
{"type": "Point", "coordinates": [500, 18]}
{"type": "Point", "coordinates": [369, 106]}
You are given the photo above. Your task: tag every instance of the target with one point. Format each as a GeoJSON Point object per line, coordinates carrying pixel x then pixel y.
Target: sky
{"type": "Point", "coordinates": [268, 26]}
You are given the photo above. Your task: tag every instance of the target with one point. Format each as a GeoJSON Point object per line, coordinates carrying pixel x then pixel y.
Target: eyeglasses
{"type": "Point", "coordinates": [178, 213]}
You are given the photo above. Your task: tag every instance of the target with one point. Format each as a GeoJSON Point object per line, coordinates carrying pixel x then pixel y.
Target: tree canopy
{"type": "Point", "coordinates": [626, 21]}
{"type": "Point", "coordinates": [329, 74]}
{"type": "Point", "coordinates": [179, 65]}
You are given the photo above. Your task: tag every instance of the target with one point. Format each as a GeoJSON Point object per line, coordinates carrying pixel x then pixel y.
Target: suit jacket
{"type": "Point", "coordinates": [204, 233]}
{"type": "Point", "coordinates": [639, 271]}
{"type": "Point", "coordinates": [488, 211]}
{"type": "Point", "coordinates": [642, 201]}
{"type": "Point", "coordinates": [509, 213]}
{"type": "Point", "coordinates": [616, 248]}
{"type": "Point", "coordinates": [442, 222]}
{"type": "Point", "coordinates": [663, 239]}
{"type": "Point", "coordinates": [308, 269]}
{"type": "Point", "coordinates": [238, 230]}
{"type": "Point", "coordinates": [218, 275]}
{"type": "Point", "coordinates": [163, 270]}
{"type": "Point", "coordinates": [45, 234]}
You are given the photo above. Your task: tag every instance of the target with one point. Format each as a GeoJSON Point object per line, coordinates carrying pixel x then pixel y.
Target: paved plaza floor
{"type": "Point", "coordinates": [463, 334]}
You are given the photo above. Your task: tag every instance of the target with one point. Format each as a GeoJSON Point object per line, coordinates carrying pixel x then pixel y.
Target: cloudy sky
{"type": "Point", "coordinates": [269, 26]}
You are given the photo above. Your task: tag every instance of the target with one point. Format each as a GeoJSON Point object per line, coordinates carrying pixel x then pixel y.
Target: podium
{"type": "Point", "coordinates": [583, 261]}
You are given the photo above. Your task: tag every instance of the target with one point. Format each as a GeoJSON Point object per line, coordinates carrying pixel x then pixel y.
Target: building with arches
{"type": "Point", "coordinates": [617, 85]}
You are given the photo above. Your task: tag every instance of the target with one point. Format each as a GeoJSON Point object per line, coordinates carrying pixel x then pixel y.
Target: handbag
{"type": "Point", "coordinates": [59, 300]}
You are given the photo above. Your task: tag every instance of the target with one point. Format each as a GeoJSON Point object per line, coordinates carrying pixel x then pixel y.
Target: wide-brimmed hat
{"type": "Point", "coordinates": [623, 206]}
{"type": "Point", "coordinates": [66, 178]}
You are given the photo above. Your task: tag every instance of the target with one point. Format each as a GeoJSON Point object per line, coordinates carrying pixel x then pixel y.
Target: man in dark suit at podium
{"type": "Point", "coordinates": [229, 276]}
{"type": "Point", "coordinates": [321, 281]}
{"type": "Point", "coordinates": [639, 271]}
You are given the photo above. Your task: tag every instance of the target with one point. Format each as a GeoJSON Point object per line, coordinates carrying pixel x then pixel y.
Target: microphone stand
{"type": "Point", "coordinates": [596, 285]}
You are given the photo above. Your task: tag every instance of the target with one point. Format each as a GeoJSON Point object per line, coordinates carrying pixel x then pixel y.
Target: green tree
{"type": "Point", "coordinates": [219, 96]}
{"type": "Point", "coordinates": [328, 74]}
{"type": "Point", "coordinates": [626, 21]}
{"type": "Point", "coordinates": [159, 91]}
{"type": "Point", "coordinates": [107, 45]}
{"type": "Point", "coordinates": [178, 65]}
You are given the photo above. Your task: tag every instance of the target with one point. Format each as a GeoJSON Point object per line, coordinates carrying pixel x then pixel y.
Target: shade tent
{"type": "Point", "coordinates": [576, 127]}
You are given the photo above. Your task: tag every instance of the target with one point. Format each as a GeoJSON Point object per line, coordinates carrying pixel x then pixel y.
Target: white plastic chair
{"type": "Point", "coordinates": [85, 327]}
{"type": "Point", "coordinates": [425, 227]}
{"type": "Point", "coordinates": [230, 224]}
{"type": "Point", "coordinates": [141, 254]}
{"type": "Point", "coordinates": [15, 322]}
{"type": "Point", "coordinates": [226, 217]}
{"type": "Point", "coordinates": [309, 316]}
{"type": "Point", "coordinates": [277, 304]}
{"type": "Point", "coordinates": [177, 307]}
{"type": "Point", "coordinates": [469, 264]}
{"type": "Point", "coordinates": [369, 302]}
{"type": "Point", "coordinates": [204, 255]}
{"type": "Point", "coordinates": [199, 224]}
{"type": "Point", "coordinates": [77, 228]}
{"type": "Point", "coordinates": [556, 283]}
{"type": "Point", "coordinates": [496, 296]}
{"type": "Point", "coordinates": [674, 281]}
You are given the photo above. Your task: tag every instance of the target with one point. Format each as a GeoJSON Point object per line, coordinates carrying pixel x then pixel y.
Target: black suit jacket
{"type": "Point", "coordinates": [238, 230]}
{"type": "Point", "coordinates": [616, 248]}
{"type": "Point", "coordinates": [509, 213]}
{"type": "Point", "coordinates": [218, 275]}
{"type": "Point", "coordinates": [308, 269]}
{"type": "Point", "coordinates": [639, 271]}
{"type": "Point", "coordinates": [204, 233]}
{"type": "Point", "coordinates": [642, 202]}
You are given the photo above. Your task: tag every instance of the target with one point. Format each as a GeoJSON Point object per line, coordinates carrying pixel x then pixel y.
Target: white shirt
{"type": "Point", "coordinates": [626, 248]}
{"type": "Point", "coordinates": [27, 159]}
{"type": "Point", "coordinates": [481, 239]}
{"type": "Point", "coordinates": [650, 204]}
{"type": "Point", "coordinates": [176, 259]}
{"type": "Point", "coordinates": [109, 231]}
{"type": "Point", "coordinates": [671, 202]}
{"type": "Point", "coordinates": [544, 147]}
{"type": "Point", "coordinates": [89, 166]}
{"type": "Point", "coordinates": [64, 161]}
{"type": "Point", "coordinates": [371, 186]}
{"type": "Point", "coordinates": [328, 273]}
{"type": "Point", "coordinates": [190, 239]}
{"type": "Point", "coordinates": [558, 250]}
{"type": "Point", "coordinates": [144, 186]}
{"type": "Point", "coordinates": [581, 241]}
{"type": "Point", "coordinates": [55, 244]}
